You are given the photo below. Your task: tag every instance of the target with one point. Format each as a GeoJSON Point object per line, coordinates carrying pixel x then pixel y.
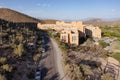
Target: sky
{"type": "Point", "coordinates": [65, 9]}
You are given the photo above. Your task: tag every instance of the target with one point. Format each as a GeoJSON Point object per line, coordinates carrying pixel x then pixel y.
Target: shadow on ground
{"type": "Point", "coordinates": [54, 77]}
{"type": "Point", "coordinates": [44, 71]}
{"type": "Point", "coordinates": [44, 56]}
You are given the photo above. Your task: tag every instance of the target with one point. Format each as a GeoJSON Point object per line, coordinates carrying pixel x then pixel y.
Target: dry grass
{"type": "Point", "coordinates": [116, 56]}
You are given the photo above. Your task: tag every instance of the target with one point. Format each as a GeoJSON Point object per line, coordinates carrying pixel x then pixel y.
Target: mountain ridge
{"type": "Point", "coordinates": [100, 22]}
{"type": "Point", "coordinates": [15, 16]}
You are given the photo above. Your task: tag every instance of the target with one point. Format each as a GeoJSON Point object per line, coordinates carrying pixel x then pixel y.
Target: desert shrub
{"type": "Point", "coordinates": [107, 76]}
{"type": "Point", "coordinates": [116, 56]}
{"type": "Point", "coordinates": [86, 70]}
{"type": "Point", "coordinates": [74, 72]}
{"type": "Point", "coordinates": [36, 57]}
{"type": "Point", "coordinates": [3, 60]}
{"type": "Point", "coordinates": [18, 50]}
{"type": "Point", "coordinates": [2, 77]}
{"type": "Point", "coordinates": [103, 44]}
{"type": "Point", "coordinates": [6, 67]}
{"type": "Point", "coordinates": [106, 34]}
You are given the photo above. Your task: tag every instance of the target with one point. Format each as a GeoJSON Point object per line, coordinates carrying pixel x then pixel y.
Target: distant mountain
{"type": "Point", "coordinates": [100, 22]}
{"type": "Point", "coordinates": [14, 16]}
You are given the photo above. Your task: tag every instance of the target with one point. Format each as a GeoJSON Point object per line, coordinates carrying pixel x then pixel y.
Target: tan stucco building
{"type": "Point", "coordinates": [60, 25]}
{"type": "Point", "coordinates": [70, 32]}
{"type": "Point", "coordinates": [70, 36]}
{"type": "Point", "coordinates": [92, 31]}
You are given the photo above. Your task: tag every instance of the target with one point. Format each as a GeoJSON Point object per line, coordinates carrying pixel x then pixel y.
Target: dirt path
{"type": "Point", "coordinates": [58, 53]}
{"type": "Point", "coordinates": [49, 69]}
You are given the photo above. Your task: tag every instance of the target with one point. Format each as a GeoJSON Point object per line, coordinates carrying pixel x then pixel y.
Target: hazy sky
{"type": "Point", "coordinates": [66, 9]}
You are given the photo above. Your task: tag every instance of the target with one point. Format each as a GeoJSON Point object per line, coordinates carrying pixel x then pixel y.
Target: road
{"type": "Point", "coordinates": [59, 59]}
{"type": "Point", "coordinates": [50, 63]}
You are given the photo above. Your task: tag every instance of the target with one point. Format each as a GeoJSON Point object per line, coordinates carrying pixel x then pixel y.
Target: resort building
{"type": "Point", "coordinates": [70, 36]}
{"type": "Point", "coordinates": [60, 25]}
{"type": "Point", "coordinates": [70, 32]}
{"type": "Point", "coordinates": [92, 31]}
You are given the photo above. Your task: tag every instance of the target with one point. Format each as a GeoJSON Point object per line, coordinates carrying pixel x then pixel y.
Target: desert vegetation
{"type": "Point", "coordinates": [14, 16]}
{"type": "Point", "coordinates": [18, 49]}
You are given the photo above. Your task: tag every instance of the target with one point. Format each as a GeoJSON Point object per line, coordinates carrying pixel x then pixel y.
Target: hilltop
{"type": "Point", "coordinates": [15, 16]}
{"type": "Point", "coordinates": [100, 22]}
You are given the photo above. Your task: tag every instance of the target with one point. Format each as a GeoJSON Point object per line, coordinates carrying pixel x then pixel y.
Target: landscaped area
{"type": "Point", "coordinates": [116, 56]}
{"type": "Point", "coordinates": [111, 31]}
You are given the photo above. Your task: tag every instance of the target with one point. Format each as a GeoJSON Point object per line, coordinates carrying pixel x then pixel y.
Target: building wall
{"type": "Point", "coordinates": [79, 30]}
{"type": "Point", "coordinates": [93, 31]}
{"type": "Point", "coordinates": [70, 36]}
{"type": "Point", "coordinates": [60, 25]}
{"type": "Point", "coordinates": [64, 37]}
{"type": "Point", "coordinates": [46, 26]}
{"type": "Point", "coordinates": [74, 39]}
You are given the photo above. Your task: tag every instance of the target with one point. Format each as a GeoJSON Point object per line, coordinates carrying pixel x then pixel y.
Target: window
{"type": "Point", "coordinates": [64, 38]}
{"type": "Point", "coordinates": [73, 38]}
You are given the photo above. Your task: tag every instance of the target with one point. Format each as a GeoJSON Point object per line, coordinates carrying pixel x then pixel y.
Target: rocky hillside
{"type": "Point", "coordinates": [14, 16]}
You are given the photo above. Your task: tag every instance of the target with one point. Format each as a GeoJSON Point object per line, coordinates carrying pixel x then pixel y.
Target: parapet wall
{"type": "Point", "coordinates": [62, 25]}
